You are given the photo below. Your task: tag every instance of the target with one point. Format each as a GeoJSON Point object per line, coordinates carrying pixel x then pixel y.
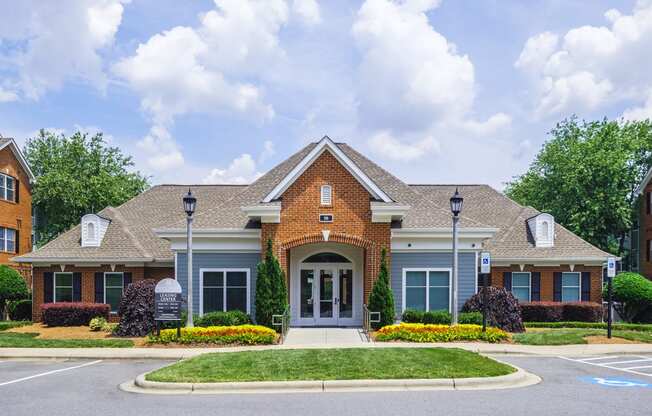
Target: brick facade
{"type": "Point", "coordinates": [351, 210]}
{"type": "Point", "coordinates": [645, 234]}
{"type": "Point", "coordinates": [88, 280]}
{"type": "Point", "coordinates": [547, 274]}
{"type": "Point", "coordinates": [17, 215]}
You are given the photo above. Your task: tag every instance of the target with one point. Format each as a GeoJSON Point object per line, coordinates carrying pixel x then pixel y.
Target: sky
{"type": "Point", "coordinates": [435, 91]}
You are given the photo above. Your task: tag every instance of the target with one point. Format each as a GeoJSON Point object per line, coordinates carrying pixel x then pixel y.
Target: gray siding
{"type": "Point", "coordinates": [431, 260]}
{"type": "Point", "coordinates": [216, 260]}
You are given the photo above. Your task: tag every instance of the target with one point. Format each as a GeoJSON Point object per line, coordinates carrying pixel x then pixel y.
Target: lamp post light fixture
{"type": "Point", "coordinates": [456, 207]}
{"type": "Point", "coordinates": [189, 205]}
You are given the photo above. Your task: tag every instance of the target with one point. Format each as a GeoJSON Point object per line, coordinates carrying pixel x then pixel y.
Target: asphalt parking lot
{"type": "Point", "coordinates": [571, 385]}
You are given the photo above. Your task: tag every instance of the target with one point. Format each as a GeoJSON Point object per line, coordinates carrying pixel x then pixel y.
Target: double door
{"type": "Point", "coordinates": [326, 295]}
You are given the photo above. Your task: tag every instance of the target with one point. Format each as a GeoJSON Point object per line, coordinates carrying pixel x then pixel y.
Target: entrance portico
{"type": "Point", "coordinates": [326, 285]}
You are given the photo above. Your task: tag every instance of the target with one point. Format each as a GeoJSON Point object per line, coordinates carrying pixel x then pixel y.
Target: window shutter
{"type": "Point", "coordinates": [16, 188]}
{"type": "Point", "coordinates": [647, 251]}
{"type": "Point", "coordinates": [17, 241]}
{"type": "Point", "coordinates": [48, 287]}
{"type": "Point", "coordinates": [557, 286]}
{"type": "Point", "coordinates": [126, 280]}
{"type": "Point", "coordinates": [535, 287]}
{"type": "Point", "coordinates": [586, 286]}
{"type": "Point", "coordinates": [648, 203]}
{"type": "Point", "coordinates": [76, 286]}
{"type": "Point", "coordinates": [507, 280]}
{"type": "Point", "coordinates": [99, 287]}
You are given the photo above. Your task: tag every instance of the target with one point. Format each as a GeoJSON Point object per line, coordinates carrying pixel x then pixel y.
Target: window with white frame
{"type": "Point", "coordinates": [570, 287]}
{"type": "Point", "coordinates": [7, 240]}
{"type": "Point", "coordinates": [224, 290]}
{"type": "Point", "coordinates": [521, 286]}
{"type": "Point", "coordinates": [326, 195]}
{"type": "Point", "coordinates": [7, 187]}
{"type": "Point", "coordinates": [426, 289]}
{"type": "Point", "coordinates": [63, 287]}
{"type": "Point", "coordinates": [113, 289]}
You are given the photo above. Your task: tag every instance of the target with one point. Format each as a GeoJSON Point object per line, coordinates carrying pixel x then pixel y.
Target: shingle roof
{"type": "Point", "coordinates": [131, 232]}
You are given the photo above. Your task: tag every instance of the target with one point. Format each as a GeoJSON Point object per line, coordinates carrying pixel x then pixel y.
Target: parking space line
{"type": "Point", "coordinates": [18, 380]}
{"type": "Point", "coordinates": [640, 366]}
{"type": "Point", "coordinates": [627, 362]}
{"type": "Point", "coordinates": [595, 358]}
{"type": "Point", "coordinates": [591, 361]}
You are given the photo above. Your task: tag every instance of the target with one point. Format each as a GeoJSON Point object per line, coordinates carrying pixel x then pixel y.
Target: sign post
{"type": "Point", "coordinates": [485, 270]}
{"type": "Point", "coordinates": [611, 273]}
{"type": "Point", "coordinates": [167, 304]}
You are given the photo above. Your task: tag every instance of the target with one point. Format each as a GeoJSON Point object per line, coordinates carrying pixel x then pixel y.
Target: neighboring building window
{"type": "Point", "coordinates": [326, 195]}
{"type": "Point", "coordinates": [7, 187]}
{"type": "Point", "coordinates": [426, 289]}
{"type": "Point", "coordinates": [7, 240]}
{"type": "Point", "coordinates": [63, 287]}
{"type": "Point", "coordinates": [521, 286]}
{"type": "Point", "coordinates": [570, 287]}
{"type": "Point", "coordinates": [224, 290]}
{"type": "Point", "coordinates": [648, 203]}
{"type": "Point", "coordinates": [113, 288]}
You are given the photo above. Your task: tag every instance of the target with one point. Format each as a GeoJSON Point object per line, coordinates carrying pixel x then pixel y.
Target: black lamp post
{"type": "Point", "coordinates": [456, 207]}
{"type": "Point", "coordinates": [189, 205]}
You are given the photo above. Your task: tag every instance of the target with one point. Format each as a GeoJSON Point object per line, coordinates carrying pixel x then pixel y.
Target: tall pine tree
{"type": "Point", "coordinates": [381, 298]}
{"type": "Point", "coordinates": [271, 291]}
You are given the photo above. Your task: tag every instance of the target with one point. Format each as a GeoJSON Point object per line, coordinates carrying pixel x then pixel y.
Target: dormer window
{"type": "Point", "coordinates": [93, 228]}
{"type": "Point", "coordinates": [542, 228]}
{"type": "Point", "coordinates": [326, 195]}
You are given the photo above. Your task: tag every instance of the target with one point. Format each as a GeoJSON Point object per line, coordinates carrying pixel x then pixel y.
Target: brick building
{"type": "Point", "coordinates": [641, 235]}
{"type": "Point", "coordinates": [15, 206]}
{"type": "Point", "coordinates": [329, 212]}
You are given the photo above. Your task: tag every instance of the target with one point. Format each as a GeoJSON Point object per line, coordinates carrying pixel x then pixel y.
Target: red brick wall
{"type": "Point", "coordinates": [17, 215]}
{"type": "Point", "coordinates": [351, 210]}
{"type": "Point", "coordinates": [645, 267]}
{"type": "Point", "coordinates": [547, 288]}
{"type": "Point", "coordinates": [88, 280]}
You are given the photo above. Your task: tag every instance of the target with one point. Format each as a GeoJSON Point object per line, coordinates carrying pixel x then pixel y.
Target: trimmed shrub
{"type": "Point", "coordinates": [72, 313]}
{"type": "Point", "coordinates": [582, 312]}
{"type": "Point", "coordinates": [542, 311]}
{"type": "Point", "coordinates": [97, 324]}
{"type": "Point", "coordinates": [230, 318]}
{"type": "Point", "coordinates": [470, 318]}
{"type": "Point", "coordinates": [137, 310]}
{"type": "Point", "coordinates": [242, 334]}
{"type": "Point", "coordinates": [271, 292]}
{"type": "Point", "coordinates": [502, 312]}
{"type": "Point", "coordinates": [20, 310]}
{"type": "Point", "coordinates": [381, 298]}
{"type": "Point", "coordinates": [439, 333]}
{"type": "Point", "coordinates": [12, 287]}
{"type": "Point", "coordinates": [437, 317]}
{"type": "Point", "coordinates": [412, 316]}
{"type": "Point", "coordinates": [633, 293]}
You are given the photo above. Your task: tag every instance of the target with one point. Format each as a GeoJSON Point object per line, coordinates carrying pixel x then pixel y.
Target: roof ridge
{"type": "Point", "coordinates": [123, 226]}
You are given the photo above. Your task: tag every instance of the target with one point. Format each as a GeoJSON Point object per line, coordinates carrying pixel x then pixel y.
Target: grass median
{"type": "Point", "coordinates": [569, 336]}
{"type": "Point", "coordinates": [331, 364]}
{"type": "Point", "coordinates": [29, 340]}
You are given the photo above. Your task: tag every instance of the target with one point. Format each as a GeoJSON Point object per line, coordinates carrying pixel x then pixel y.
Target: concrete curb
{"type": "Point", "coordinates": [520, 378]}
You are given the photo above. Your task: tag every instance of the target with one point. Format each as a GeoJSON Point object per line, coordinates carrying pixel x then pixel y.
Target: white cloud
{"type": "Point", "coordinates": [493, 125]}
{"type": "Point", "coordinates": [591, 65]}
{"type": "Point", "coordinates": [308, 11]}
{"type": "Point", "coordinates": [268, 151]}
{"type": "Point", "coordinates": [161, 152]}
{"type": "Point", "coordinates": [642, 112]}
{"type": "Point", "coordinates": [7, 96]}
{"type": "Point", "coordinates": [57, 41]}
{"type": "Point", "coordinates": [385, 145]}
{"type": "Point", "coordinates": [242, 170]}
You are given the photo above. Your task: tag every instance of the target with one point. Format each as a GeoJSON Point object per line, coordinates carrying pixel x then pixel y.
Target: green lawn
{"type": "Point", "coordinates": [16, 340]}
{"type": "Point", "coordinates": [4, 325]}
{"type": "Point", "coordinates": [575, 336]}
{"type": "Point", "coordinates": [589, 325]}
{"type": "Point", "coordinates": [331, 364]}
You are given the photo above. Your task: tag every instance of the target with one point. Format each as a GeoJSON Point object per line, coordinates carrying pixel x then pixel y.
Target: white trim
{"type": "Point", "coordinates": [54, 286]}
{"type": "Point", "coordinates": [380, 212]}
{"type": "Point", "coordinates": [21, 158]}
{"type": "Point", "coordinates": [428, 270]}
{"type": "Point", "coordinates": [266, 213]}
{"type": "Point", "coordinates": [477, 254]}
{"type": "Point", "coordinates": [529, 292]}
{"type": "Point", "coordinates": [550, 261]}
{"type": "Point", "coordinates": [167, 233]}
{"type": "Point", "coordinates": [225, 271]}
{"type": "Point", "coordinates": [326, 195]}
{"type": "Point", "coordinates": [327, 144]}
{"type": "Point", "coordinates": [122, 286]}
{"type": "Point", "coordinates": [579, 293]}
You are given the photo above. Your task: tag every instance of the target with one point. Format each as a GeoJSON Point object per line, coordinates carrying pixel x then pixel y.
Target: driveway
{"type": "Point", "coordinates": [83, 387]}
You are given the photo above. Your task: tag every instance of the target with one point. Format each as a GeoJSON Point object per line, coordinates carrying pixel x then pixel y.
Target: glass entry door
{"type": "Point", "coordinates": [326, 295]}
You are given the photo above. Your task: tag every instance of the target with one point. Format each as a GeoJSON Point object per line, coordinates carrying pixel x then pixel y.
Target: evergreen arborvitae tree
{"type": "Point", "coordinates": [271, 292]}
{"type": "Point", "coordinates": [381, 298]}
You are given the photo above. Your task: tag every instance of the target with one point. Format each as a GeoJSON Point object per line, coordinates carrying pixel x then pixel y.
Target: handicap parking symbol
{"type": "Point", "coordinates": [615, 382]}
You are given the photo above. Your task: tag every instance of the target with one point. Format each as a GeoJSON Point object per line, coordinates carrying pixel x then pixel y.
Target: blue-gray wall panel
{"type": "Point", "coordinates": [466, 273]}
{"type": "Point", "coordinates": [216, 260]}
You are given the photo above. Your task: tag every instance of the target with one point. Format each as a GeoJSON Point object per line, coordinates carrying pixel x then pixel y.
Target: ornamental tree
{"type": "Point", "coordinates": [632, 294]}
{"type": "Point", "coordinates": [381, 298]}
{"type": "Point", "coordinates": [12, 287]}
{"type": "Point", "coordinates": [271, 291]}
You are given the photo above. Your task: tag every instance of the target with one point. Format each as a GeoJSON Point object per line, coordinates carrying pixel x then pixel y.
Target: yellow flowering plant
{"type": "Point", "coordinates": [439, 333]}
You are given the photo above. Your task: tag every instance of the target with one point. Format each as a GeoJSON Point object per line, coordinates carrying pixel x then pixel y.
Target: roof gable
{"type": "Point", "coordinates": [8, 142]}
{"type": "Point", "coordinates": [326, 145]}
{"type": "Point", "coordinates": [643, 184]}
